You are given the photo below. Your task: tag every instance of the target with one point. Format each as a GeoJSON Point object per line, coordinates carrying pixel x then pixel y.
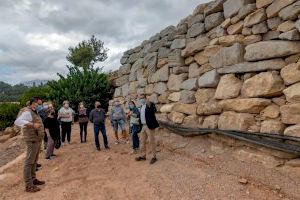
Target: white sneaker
{"type": "Point", "coordinates": [117, 142]}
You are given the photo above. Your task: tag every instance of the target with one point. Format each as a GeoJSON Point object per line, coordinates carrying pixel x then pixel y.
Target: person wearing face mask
{"type": "Point", "coordinates": [83, 121]}
{"type": "Point", "coordinates": [97, 116]}
{"type": "Point", "coordinates": [135, 123]}
{"type": "Point", "coordinates": [149, 125]}
{"type": "Point", "coordinates": [65, 114]}
{"type": "Point", "coordinates": [32, 130]}
{"type": "Point", "coordinates": [52, 130]}
{"type": "Point", "coordinates": [117, 119]}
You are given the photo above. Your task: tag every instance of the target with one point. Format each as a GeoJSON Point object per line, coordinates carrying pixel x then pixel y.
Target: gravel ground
{"type": "Point", "coordinates": [80, 172]}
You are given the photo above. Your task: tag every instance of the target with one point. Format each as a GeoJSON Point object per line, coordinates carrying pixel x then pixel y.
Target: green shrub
{"type": "Point", "coordinates": [8, 114]}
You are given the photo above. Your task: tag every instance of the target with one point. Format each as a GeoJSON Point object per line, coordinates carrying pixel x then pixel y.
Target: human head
{"type": "Point", "coordinates": [40, 102]}
{"type": "Point", "coordinates": [50, 112]}
{"type": "Point", "coordinates": [131, 105]}
{"type": "Point", "coordinates": [117, 102]}
{"type": "Point", "coordinates": [97, 104]}
{"type": "Point", "coordinates": [66, 104]}
{"type": "Point", "coordinates": [28, 103]}
{"type": "Point", "coordinates": [33, 103]}
{"type": "Point", "coordinates": [81, 105]}
{"type": "Point", "coordinates": [142, 99]}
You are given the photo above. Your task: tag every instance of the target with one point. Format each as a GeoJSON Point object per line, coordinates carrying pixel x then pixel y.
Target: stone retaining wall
{"type": "Point", "coordinates": [232, 64]}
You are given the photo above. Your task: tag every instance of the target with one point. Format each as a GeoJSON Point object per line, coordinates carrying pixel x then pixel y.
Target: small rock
{"type": "Point", "coordinates": [210, 156]}
{"type": "Point", "coordinates": [108, 158]}
{"type": "Point", "coordinates": [243, 181]}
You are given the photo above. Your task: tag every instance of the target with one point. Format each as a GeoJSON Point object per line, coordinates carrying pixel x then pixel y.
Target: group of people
{"type": "Point", "coordinates": [39, 121]}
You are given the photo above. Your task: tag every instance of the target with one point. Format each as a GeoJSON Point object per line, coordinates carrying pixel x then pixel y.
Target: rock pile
{"type": "Point", "coordinates": [232, 64]}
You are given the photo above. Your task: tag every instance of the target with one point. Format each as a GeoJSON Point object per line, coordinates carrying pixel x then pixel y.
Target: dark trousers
{"type": "Point", "coordinates": [83, 129]}
{"type": "Point", "coordinates": [97, 129]}
{"type": "Point", "coordinates": [66, 131]}
{"type": "Point", "coordinates": [134, 136]}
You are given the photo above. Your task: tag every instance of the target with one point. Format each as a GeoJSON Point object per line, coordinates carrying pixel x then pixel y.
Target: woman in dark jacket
{"type": "Point", "coordinates": [83, 121]}
{"type": "Point", "coordinates": [135, 125]}
{"type": "Point", "coordinates": [52, 130]}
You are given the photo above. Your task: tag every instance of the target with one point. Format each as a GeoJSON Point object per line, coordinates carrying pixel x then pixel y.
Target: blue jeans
{"type": "Point", "coordinates": [134, 129]}
{"type": "Point", "coordinates": [97, 129]}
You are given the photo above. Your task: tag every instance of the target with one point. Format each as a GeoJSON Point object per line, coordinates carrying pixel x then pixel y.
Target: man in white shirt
{"type": "Point", "coordinates": [33, 132]}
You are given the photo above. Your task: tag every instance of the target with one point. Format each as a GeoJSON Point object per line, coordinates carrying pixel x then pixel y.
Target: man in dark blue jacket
{"type": "Point", "coordinates": [149, 125]}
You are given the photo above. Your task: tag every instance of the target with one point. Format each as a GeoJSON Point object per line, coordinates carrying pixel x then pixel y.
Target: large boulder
{"type": "Point", "coordinates": [125, 89]}
{"type": "Point", "coordinates": [272, 111]}
{"type": "Point", "coordinates": [178, 44]}
{"type": "Point", "coordinates": [264, 65]}
{"type": "Point", "coordinates": [251, 105]}
{"type": "Point", "coordinates": [229, 87]}
{"type": "Point", "coordinates": [271, 49]}
{"type": "Point", "coordinates": [160, 88]}
{"type": "Point", "coordinates": [161, 74]}
{"type": "Point", "coordinates": [149, 89]}
{"type": "Point", "coordinates": [213, 20]}
{"type": "Point", "coordinates": [174, 97]}
{"type": "Point", "coordinates": [211, 122]}
{"type": "Point", "coordinates": [194, 70]}
{"type": "Point", "coordinates": [175, 81]}
{"type": "Point", "coordinates": [232, 7]}
{"type": "Point", "coordinates": [291, 74]}
{"type": "Point", "coordinates": [175, 59]}
{"type": "Point", "coordinates": [187, 96]}
{"type": "Point", "coordinates": [192, 121]}
{"type": "Point", "coordinates": [166, 108]}
{"type": "Point", "coordinates": [229, 40]}
{"type": "Point", "coordinates": [228, 56]}
{"type": "Point", "coordinates": [265, 84]}
{"type": "Point", "coordinates": [276, 6]}
{"type": "Point", "coordinates": [290, 114]}
{"type": "Point", "coordinates": [190, 84]}
{"type": "Point", "coordinates": [292, 93]}
{"type": "Point", "coordinates": [213, 7]}
{"type": "Point", "coordinates": [255, 18]}
{"type": "Point", "coordinates": [293, 130]}
{"type": "Point", "coordinates": [189, 109]}
{"type": "Point", "coordinates": [195, 30]}
{"type": "Point", "coordinates": [263, 3]}
{"type": "Point", "coordinates": [290, 35]}
{"type": "Point", "coordinates": [272, 126]}
{"type": "Point", "coordinates": [122, 80]}
{"type": "Point", "coordinates": [176, 117]}
{"type": "Point", "coordinates": [124, 69]}
{"type": "Point", "coordinates": [150, 61]}
{"type": "Point", "coordinates": [290, 12]}
{"type": "Point", "coordinates": [204, 95]}
{"type": "Point", "coordinates": [195, 46]}
{"type": "Point", "coordinates": [210, 108]}
{"type": "Point", "coordinates": [133, 87]}
{"type": "Point", "coordinates": [209, 79]}
{"type": "Point", "coordinates": [235, 121]}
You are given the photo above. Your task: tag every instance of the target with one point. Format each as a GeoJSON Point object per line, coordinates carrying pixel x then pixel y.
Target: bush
{"type": "Point", "coordinates": [8, 114]}
{"type": "Point", "coordinates": [41, 92]}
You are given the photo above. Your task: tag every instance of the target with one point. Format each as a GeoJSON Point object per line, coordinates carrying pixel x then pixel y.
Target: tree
{"type": "Point", "coordinates": [81, 85]}
{"type": "Point", "coordinates": [87, 53]}
{"type": "Point", "coordinates": [42, 92]}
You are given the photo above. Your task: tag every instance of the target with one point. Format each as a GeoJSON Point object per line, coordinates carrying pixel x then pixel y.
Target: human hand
{"type": "Point", "coordinates": [36, 125]}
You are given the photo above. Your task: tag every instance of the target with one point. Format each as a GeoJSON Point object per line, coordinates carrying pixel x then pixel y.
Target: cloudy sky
{"type": "Point", "coordinates": [35, 34]}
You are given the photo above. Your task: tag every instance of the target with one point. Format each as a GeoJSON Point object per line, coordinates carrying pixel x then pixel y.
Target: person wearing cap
{"type": "Point", "coordinates": [32, 133]}
{"type": "Point", "coordinates": [65, 114]}
{"type": "Point", "coordinates": [117, 119]}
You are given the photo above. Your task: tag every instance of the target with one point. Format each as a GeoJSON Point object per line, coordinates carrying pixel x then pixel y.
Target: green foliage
{"type": "Point", "coordinates": [8, 114]}
{"type": "Point", "coordinates": [87, 53]}
{"type": "Point", "coordinates": [41, 92]}
{"type": "Point", "coordinates": [87, 85]}
{"type": "Point", "coordinates": [10, 93]}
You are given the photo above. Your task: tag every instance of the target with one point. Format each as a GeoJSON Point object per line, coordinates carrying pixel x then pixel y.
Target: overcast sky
{"type": "Point", "coordinates": [35, 34]}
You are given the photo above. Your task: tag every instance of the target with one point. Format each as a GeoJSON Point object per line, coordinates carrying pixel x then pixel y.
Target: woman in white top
{"type": "Point", "coordinates": [65, 114]}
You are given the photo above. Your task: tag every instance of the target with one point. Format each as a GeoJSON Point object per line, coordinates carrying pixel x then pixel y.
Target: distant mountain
{"type": "Point", "coordinates": [34, 83]}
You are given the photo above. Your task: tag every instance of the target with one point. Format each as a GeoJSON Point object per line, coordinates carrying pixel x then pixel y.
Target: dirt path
{"type": "Point", "coordinates": [80, 172]}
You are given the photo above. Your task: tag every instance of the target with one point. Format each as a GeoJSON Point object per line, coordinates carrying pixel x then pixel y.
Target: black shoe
{"type": "Point", "coordinates": [48, 158]}
{"type": "Point", "coordinates": [38, 165]}
{"type": "Point", "coordinates": [107, 148]}
{"type": "Point", "coordinates": [140, 158]}
{"type": "Point", "coordinates": [98, 148]}
{"type": "Point", "coordinates": [153, 160]}
{"type": "Point", "coordinates": [53, 155]}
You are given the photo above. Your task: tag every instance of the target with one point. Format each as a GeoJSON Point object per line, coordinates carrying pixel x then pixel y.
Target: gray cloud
{"type": "Point", "coordinates": [35, 34]}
